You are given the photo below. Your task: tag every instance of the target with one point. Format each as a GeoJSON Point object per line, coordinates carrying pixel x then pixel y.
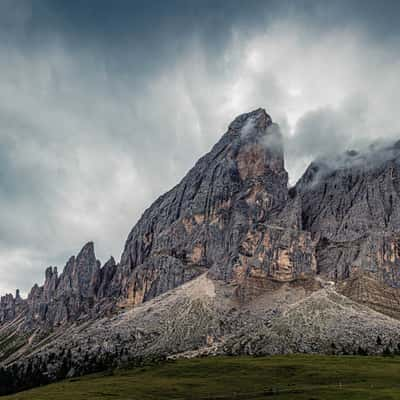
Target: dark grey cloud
{"type": "Point", "coordinates": [105, 105]}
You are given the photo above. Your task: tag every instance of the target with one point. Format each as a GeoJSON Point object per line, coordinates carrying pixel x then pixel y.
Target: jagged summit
{"type": "Point", "coordinates": [78, 292]}
{"type": "Point", "coordinates": [258, 118]}
{"type": "Point", "coordinates": [372, 159]}
{"type": "Point", "coordinates": [352, 207]}
{"type": "Point", "coordinates": [257, 126]}
{"type": "Point", "coordinates": [203, 222]}
{"type": "Point", "coordinates": [87, 251]}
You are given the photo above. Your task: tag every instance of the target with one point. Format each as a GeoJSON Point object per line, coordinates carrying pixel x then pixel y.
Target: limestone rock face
{"type": "Point", "coordinates": [217, 219]}
{"type": "Point", "coordinates": [105, 277]}
{"type": "Point", "coordinates": [364, 288]}
{"type": "Point", "coordinates": [351, 205]}
{"type": "Point", "coordinates": [11, 307]}
{"type": "Point", "coordinates": [373, 253]}
{"type": "Point", "coordinates": [74, 294]}
{"type": "Point", "coordinates": [342, 201]}
{"type": "Point", "coordinates": [81, 274]}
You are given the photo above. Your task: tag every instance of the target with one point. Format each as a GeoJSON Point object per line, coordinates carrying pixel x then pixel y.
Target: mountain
{"type": "Point", "coordinates": [229, 261]}
{"type": "Point", "coordinates": [351, 205]}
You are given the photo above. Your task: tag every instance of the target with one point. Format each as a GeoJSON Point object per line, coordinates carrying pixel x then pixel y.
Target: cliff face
{"type": "Point", "coordinates": [351, 205]}
{"type": "Point", "coordinates": [66, 297]}
{"type": "Point", "coordinates": [78, 293]}
{"type": "Point", "coordinates": [11, 307]}
{"type": "Point", "coordinates": [218, 219]}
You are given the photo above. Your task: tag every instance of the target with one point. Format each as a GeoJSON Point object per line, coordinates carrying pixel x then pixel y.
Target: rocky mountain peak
{"type": "Point", "coordinates": [50, 273]}
{"type": "Point", "coordinates": [87, 254]}
{"type": "Point", "coordinates": [258, 120]}
{"type": "Point", "coordinates": [351, 205]}
{"type": "Point", "coordinates": [372, 160]}
{"type": "Point", "coordinates": [217, 219]}
{"type": "Point", "coordinates": [256, 131]}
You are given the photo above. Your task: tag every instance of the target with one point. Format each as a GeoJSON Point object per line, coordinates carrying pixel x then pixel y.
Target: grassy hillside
{"type": "Point", "coordinates": [279, 377]}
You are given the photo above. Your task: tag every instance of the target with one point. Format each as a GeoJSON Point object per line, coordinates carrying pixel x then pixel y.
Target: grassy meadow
{"type": "Point", "coordinates": [278, 377]}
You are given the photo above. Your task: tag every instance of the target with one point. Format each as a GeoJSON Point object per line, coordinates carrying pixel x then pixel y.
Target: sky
{"type": "Point", "coordinates": [105, 105]}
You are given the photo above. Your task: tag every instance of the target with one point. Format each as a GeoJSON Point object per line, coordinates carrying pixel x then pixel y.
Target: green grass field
{"type": "Point", "coordinates": [279, 377]}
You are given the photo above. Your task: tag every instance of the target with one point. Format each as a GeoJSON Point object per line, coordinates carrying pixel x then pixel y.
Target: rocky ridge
{"type": "Point", "coordinates": [78, 292]}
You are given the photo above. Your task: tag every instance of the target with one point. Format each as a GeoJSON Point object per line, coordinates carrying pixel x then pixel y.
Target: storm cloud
{"type": "Point", "coordinates": [105, 105]}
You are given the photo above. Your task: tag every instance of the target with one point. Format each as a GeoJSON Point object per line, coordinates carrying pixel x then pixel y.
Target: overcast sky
{"type": "Point", "coordinates": [104, 105]}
